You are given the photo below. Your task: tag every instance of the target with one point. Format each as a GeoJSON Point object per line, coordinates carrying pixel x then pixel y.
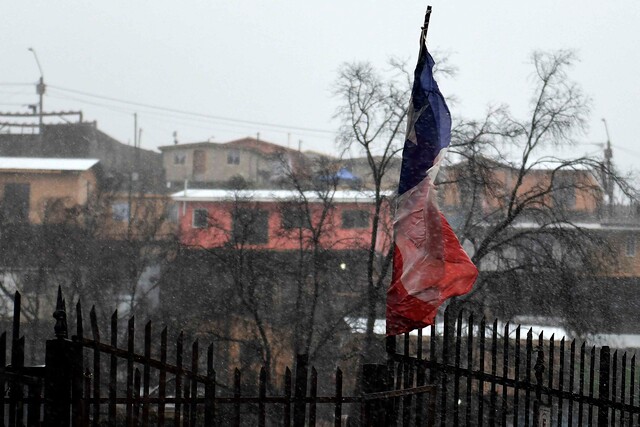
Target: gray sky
{"type": "Point", "coordinates": [275, 61]}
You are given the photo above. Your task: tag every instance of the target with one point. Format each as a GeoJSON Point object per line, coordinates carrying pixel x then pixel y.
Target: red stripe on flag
{"type": "Point", "coordinates": [440, 269]}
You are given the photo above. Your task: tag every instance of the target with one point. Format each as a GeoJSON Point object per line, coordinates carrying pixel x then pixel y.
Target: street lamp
{"type": "Point", "coordinates": [40, 88]}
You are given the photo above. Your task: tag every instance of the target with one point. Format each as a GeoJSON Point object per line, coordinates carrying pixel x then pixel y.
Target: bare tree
{"type": "Point", "coordinates": [372, 111]}
{"type": "Point", "coordinates": [518, 208]}
{"type": "Point", "coordinates": [525, 211]}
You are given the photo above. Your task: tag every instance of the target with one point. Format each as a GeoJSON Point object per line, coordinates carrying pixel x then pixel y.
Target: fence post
{"type": "Point", "coordinates": [61, 359]}
{"type": "Point", "coordinates": [605, 363]}
{"type": "Point", "coordinates": [374, 379]}
{"type": "Point", "coordinates": [539, 371]}
{"type": "Point", "coordinates": [300, 406]}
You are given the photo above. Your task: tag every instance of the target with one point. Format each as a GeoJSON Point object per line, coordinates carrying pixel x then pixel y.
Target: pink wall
{"type": "Point", "coordinates": [218, 233]}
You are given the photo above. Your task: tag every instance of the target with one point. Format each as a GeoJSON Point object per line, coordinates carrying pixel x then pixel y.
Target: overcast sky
{"type": "Point", "coordinates": [274, 62]}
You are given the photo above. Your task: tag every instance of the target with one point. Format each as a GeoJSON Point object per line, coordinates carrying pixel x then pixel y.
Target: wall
{"type": "Point", "coordinates": [72, 187]}
{"type": "Point", "coordinates": [220, 226]}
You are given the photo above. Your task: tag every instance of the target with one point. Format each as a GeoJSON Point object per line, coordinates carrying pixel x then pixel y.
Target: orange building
{"type": "Point", "coordinates": [35, 190]}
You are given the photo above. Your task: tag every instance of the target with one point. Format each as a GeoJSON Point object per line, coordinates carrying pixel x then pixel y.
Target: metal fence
{"type": "Point", "coordinates": [465, 373]}
{"type": "Point", "coordinates": [490, 374]}
{"type": "Point", "coordinates": [89, 382]}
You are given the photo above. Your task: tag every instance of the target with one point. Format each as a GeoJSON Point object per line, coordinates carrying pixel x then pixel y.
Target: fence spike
{"type": "Point", "coordinates": [262, 393]}
{"type": "Point", "coordinates": [287, 396]}
{"type": "Point", "coordinates": [604, 385]}
{"type": "Point", "coordinates": [17, 307]}
{"type": "Point", "coordinates": [456, 381]}
{"type": "Point", "coordinates": [162, 377]}
{"type": "Point", "coordinates": [337, 414]}
{"type": "Point", "coordinates": [94, 324]}
{"type": "Point", "coordinates": [178, 376]}
{"type": "Point", "coordinates": [623, 384]}
{"type": "Point", "coordinates": [572, 368]}
{"type": "Point", "coordinates": [482, 339]}
{"type": "Point", "coordinates": [313, 393]}
{"type": "Point", "coordinates": [237, 388]}
{"type": "Point", "coordinates": [494, 370]}
{"type": "Point", "coordinates": [516, 377]}
{"type": "Point", "coordinates": [581, 382]}
{"type": "Point", "coordinates": [632, 387]}
{"type": "Point", "coordinates": [130, 371]}
{"type": "Point", "coordinates": [195, 358]}
{"type": "Point", "coordinates": [592, 369]}
{"type": "Point", "coordinates": [561, 369]}
{"type": "Point", "coordinates": [469, 368]}
{"type": "Point", "coordinates": [614, 380]}
{"type": "Point", "coordinates": [60, 314]}
{"type": "Point", "coordinates": [210, 390]}
{"type": "Point", "coordinates": [147, 372]}
{"type": "Point", "coordinates": [527, 393]}
{"type": "Point", "coordinates": [79, 326]}
{"type": "Point", "coordinates": [113, 368]}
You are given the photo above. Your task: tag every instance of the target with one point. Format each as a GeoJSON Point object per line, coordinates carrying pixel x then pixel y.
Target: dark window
{"type": "Point", "coordinates": [251, 226]}
{"type": "Point", "coordinates": [294, 217]}
{"type": "Point", "coordinates": [199, 161]}
{"type": "Point", "coordinates": [120, 211]}
{"type": "Point", "coordinates": [200, 218]}
{"type": "Point", "coordinates": [16, 202]}
{"type": "Point", "coordinates": [233, 157]}
{"type": "Point", "coordinates": [173, 213]}
{"type": "Point", "coordinates": [631, 245]}
{"type": "Point", "coordinates": [179, 158]}
{"type": "Point", "coordinates": [355, 219]}
{"type": "Point", "coordinates": [564, 192]}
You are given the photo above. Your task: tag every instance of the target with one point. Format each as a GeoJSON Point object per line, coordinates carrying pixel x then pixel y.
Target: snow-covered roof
{"type": "Point", "coordinates": [217, 195]}
{"type": "Point", "coordinates": [358, 326]}
{"type": "Point", "coordinates": [46, 164]}
{"type": "Point", "coordinates": [578, 225]}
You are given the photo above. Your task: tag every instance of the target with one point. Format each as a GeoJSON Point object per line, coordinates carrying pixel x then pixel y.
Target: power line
{"type": "Point", "coordinates": [181, 119]}
{"type": "Point", "coordinates": [192, 113]}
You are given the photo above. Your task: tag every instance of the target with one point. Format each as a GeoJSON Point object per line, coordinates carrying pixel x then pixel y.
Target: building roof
{"type": "Point", "coordinates": [258, 145]}
{"type": "Point", "coordinates": [46, 164]}
{"type": "Point", "coordinates": [220, 195]}
{"type": "Point", "coordinates": [189, 145]}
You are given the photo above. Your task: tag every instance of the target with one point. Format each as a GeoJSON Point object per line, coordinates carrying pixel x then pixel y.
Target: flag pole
{"type": "Point", "coordinates": [425, 28]}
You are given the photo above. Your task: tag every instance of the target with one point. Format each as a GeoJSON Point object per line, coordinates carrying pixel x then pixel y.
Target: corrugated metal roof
{"type": "Point", "coordinates": [217, 195]}
{"type": "Point", "coordinates": [48, 164]}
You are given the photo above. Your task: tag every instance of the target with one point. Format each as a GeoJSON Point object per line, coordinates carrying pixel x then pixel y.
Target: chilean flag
{"type": "Point", "coordinates": [429, 264]}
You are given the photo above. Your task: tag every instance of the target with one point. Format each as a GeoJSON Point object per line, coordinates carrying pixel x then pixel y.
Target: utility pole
{"type": "Point", "coordinates": [40, 90]}
{"type": "Point", "coordinates": [608, 155]}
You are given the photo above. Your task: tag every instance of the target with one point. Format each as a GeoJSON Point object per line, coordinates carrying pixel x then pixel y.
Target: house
{"type": "Point", "coordinates": [123, 166]}
{"type": "Point", "coordinates": [37, 190]}
{"type": "Point", "coordinates": [273, 219]}
{"type": "Point", "coordinates": [210, 164]}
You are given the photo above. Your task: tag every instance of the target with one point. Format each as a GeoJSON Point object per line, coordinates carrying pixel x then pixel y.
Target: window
{"type": "Point", "coordinates": [179, 158]}
{"type": "Point", "coordinates": [355, 218]}
{"type": "Point", "coordinates": [199, 161]}
{"type": "Point", "coordinates": [564, 192]}
{"type": "Point", "coordinates": [200, 218]}
{"type": "Point", "coordinates": [16, 202]}
{"type": "Point", "coordinates": [233, 157]}
{"type": "Point", "coordinates": [120, 211]}
{"type": "Point", "coordinates": [172, 213]}
{"type": "Point", "coordinates": [294, 217]}
{"type": "Point", "coordinates": [251, 226]}
{"type": "Point", "coordinates": [631, 245]}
